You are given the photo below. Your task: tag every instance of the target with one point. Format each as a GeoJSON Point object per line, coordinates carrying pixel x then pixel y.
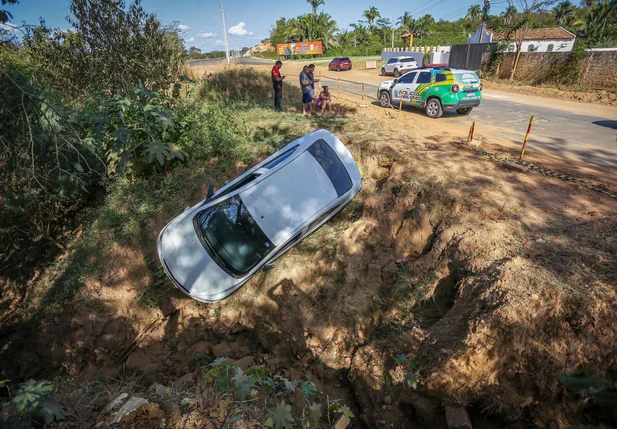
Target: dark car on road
{"type": "Point", "coordinates": [340, 63]}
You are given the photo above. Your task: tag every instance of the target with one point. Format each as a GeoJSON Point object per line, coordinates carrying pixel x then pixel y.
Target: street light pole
{"type": "Point", "coordinates": [222, 6]}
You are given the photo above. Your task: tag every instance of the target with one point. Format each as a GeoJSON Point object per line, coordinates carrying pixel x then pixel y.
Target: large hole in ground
{"type": "Point", "coordinates": [431, 310]}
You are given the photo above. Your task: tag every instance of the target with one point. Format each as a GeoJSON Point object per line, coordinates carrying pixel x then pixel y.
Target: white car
{"type": "Point", "coordinates": [398, 66]}
{"type": "Point", "coordinates": [217, 245]}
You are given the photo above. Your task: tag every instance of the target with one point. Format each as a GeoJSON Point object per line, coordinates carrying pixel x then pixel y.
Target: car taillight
{"type": "Point", "coordinates": [455, 88]}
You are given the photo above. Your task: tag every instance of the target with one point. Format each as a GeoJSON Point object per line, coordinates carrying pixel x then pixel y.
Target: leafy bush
{"type": "Point", "coordinates": [257, 380]}
{"type": "Point", "coordinates": [136, 130]}
{"type": "Point", "coordinates": [31, 403]}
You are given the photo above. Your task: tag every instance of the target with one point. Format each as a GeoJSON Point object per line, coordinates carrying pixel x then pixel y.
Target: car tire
{"type": "Point", "coordinates": [338, 68]}
{"type": "Point", "coordinates": [383, 71]}
{"type": "Point", "coordinates": [433, 108]}
{"type": "Point", "coordinates": [464, 110]}
{"type": "Point", "coordinates": [384, 99]}
{"type": "Point", "coordinates": [396, 73]}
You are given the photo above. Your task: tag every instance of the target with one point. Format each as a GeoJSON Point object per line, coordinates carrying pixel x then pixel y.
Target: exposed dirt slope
{"type": "Point", "coordinates": [509, 279]}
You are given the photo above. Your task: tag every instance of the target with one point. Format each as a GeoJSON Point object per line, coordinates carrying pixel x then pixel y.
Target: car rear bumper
{"type": "Point", "coordinates": [465, 102]}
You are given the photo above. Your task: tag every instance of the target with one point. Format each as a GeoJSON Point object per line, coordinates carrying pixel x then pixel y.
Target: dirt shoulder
{"type": "Point", "coordinates": [604, 98]}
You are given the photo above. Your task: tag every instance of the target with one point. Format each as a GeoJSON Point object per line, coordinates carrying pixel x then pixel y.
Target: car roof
{"type": "Point", "coordinates": [284, 201]}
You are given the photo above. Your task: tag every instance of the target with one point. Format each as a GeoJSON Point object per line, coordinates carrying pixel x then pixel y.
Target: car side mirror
{"type": "Point", "coordinates": [210, 191]}
{"type": "Point", "coordinates": [267, 267]}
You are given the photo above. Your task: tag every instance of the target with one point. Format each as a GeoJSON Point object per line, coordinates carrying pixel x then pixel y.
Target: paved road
{"type": "Point", "coordinates": [588, 137]}
{"type": "Point", "coordinates": [242, 60]}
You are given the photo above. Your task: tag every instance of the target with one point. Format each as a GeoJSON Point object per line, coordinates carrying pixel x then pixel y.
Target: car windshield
{"type": "Point", "coordinates": [467, 78]}
{"type": "Point", "coordinates": [231, 235]}
{"type": "Point", "coordinates": [345, 59]}
{"type": "Point", "coordinates": [407, 60]}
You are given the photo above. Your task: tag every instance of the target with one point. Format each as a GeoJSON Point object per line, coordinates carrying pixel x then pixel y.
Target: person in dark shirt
{"type": "Point", "coordinates": [311, 76]}
{"type": "Point", "coordinates": [277, 83]}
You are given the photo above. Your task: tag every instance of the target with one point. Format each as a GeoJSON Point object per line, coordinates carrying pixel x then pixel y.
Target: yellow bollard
{"type": "Point", "coordinates": [526, 138]}
{"type": "Point", "coordinates": [400, 106]}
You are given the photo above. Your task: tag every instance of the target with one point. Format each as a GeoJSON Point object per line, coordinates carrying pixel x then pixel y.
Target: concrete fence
{"type": "Point", "coordinates": [423, 49]}
{"type": "Point", "coordinates": [598, 70]}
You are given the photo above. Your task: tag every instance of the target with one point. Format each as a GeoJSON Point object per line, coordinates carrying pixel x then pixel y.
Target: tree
{"type": "Point", "coordinates": [474, 13]}
{"type": "Point", "coordinates": [371, 14]}
{"type": "Point", "coordinates": [5, 15]}
{"type": "Point", "coordinates": [194, 50]}
{"type": "Point", "coordinates": [112, 47]}
{"type": "Point", "coordinates": [564, 13]}
{"type": "Point", "coordinates": [600, 24]}
{"type": "Point", "coordinates": [385, 27]}
{"type": "Point", "coordinates": [508, 15]}
{"type": "Point", "coordinates": [521, 23]}
{"type": "Point", "coordinates": [315, 4]}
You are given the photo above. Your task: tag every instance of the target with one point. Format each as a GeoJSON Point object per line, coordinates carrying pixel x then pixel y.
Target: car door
{"type": "Point", "coordinates": [403, 87]}
{"type": "Point", "coordinates": [420, 88]}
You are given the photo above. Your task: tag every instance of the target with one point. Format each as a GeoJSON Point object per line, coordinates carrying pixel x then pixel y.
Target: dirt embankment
{"type": "Point", "coordinates": [605, 98]}
{"type": "Point", "coordinates": [507, 280]}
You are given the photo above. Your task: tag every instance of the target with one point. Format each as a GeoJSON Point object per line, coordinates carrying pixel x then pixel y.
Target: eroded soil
{"type": "Point", "coordinates": [508, 279]}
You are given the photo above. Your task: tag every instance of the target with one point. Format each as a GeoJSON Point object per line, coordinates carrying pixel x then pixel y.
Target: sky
{"type": "Point", "coordinates": [248, 21]}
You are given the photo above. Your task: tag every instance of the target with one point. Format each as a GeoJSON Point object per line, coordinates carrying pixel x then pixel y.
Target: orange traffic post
{"type": "Point", "coordinates": [526, 138]}
{"type": "Point", "coordinates": [471, 131]}
{"type": "Point", "coordinates": [400, 105]}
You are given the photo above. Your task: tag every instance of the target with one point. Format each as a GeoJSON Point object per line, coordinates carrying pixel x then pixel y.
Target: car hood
{"type": "Point", "coordinates": [187, 262]}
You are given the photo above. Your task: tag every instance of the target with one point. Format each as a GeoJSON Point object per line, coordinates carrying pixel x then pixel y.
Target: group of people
{"type": "Point", "coordinates": [307, 84]}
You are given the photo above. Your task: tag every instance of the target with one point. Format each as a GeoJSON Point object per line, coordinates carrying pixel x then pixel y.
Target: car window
{"type": "Point", "coordinates": [332, 165]}
{"type": "Point", "coordinates": [408, 78]}
{"type": "Point", "coordinates": [282, 157]}
{"type": "Point", "coordinates": [392, 60]}
{"type": "Point", "coordinates": [239, 184]}
{"type": "Point", "coordinates": [407, 60]}
{"type": "Point", "coordinates": [467, 77]}
{"type": "Point", "coordinates": [230, 234]}
{"type": "Point", "coordinates": [345, 59]}
{"type": "Point", "coordinates": [441, 77]}
{"type": "Point", "coordinates": [424, 77]}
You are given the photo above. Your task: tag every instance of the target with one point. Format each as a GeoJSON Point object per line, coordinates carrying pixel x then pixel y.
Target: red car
{"type": "Point", "coordinates": [340, 63]}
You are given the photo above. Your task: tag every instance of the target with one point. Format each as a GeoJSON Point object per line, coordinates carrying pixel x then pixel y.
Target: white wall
{"type": "Point", "coordinates": [542, 46]}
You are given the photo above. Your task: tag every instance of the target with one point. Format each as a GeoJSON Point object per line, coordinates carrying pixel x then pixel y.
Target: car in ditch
{"type": "Point", "coordinates": [434, 89]}
{"type": "Point", "coordinates": [399, 65]}
{"type": "Point", "coordinates": [213, 248]}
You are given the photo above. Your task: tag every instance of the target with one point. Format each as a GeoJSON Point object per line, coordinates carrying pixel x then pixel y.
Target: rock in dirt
{"type": "Point", "coordinates": [221, 349]}
{"type": "Point", "coordinates": [341, 423]}
{"type": "Point", "coordinates": [244, 363]}
{"type": "Point", "coordinates": [184, 381]}
{"type": "Point", "coordinates": [373, 275]}
{"type": "Point", "coordinates": [171, 410]}
{"type": "Point", "coordinates": [415, 232]}
{"type": "Point", "coordinates": [133, 408]}
{"type": "Point", "coordinates": [457, 418]}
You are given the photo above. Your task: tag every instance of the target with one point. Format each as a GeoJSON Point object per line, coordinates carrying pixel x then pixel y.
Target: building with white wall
{"type": "Point", "coordinates": [539, 40]}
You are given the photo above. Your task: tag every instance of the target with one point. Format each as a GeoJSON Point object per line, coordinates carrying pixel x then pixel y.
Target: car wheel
{"type": "Point", "coordinates": [338, 68]}
{"type": "Point", "coordinates": [433, 108]}
{"type": "Point", "coordinates": [383, 71]}
{"type": "Point", "coordinates": [464, 110]}
{"type": "Point", "coordinates": [384, 99]}
{"type": "Point", "coordinates": [396, 73]}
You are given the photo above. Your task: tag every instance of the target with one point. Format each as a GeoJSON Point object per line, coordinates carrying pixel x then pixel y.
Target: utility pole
{"type": "Point", "coordinates": [393, 30]}
{"type": "Point", "coordinates": [222, 6]}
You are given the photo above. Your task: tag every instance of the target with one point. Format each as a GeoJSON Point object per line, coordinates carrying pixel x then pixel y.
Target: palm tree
{"type": "Point", "coordinates": [596, 29]}
{"type": "Point", "coordinates": [474, 12]}
{"type": "Point", "coordinates": [371, 14]}
{"type": "Point", "coordinates": [344, 38]}
{"type": "Point", "coordinates": [385, 26]}
{"type": "Point", "coordinates": [404, 20]}
{"type": "Point", "coordinates": [315, 4]}
{"type": "Point", "coordinates": [361, 34]}
{"type": "Point", "coordinates": [564, 12]}
{"type": "Point", "coordinates": [508, 15]}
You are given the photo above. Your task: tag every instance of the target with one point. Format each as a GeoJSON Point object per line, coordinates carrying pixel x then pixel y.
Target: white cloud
{"type": "Point", "coordinates": [190, 40]}
{"type": "Point", "coordinates": [219, 43]}
{"type": "Point", "coordinates": [206, 35]}
{"type": "Point", "coordinates": [183, 28]}
{"type": "Point", "coordinates": [8, 27]}
{"type": "Point", "coordinates": [239, 30]}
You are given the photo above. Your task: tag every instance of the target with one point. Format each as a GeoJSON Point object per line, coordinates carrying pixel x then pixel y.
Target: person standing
{"type": "Point", "coordinates": [277, 83]}
{"type": "Point", "coordinates": [311, 76]}
{"type": "Point", "coordinates": [307, 92]}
